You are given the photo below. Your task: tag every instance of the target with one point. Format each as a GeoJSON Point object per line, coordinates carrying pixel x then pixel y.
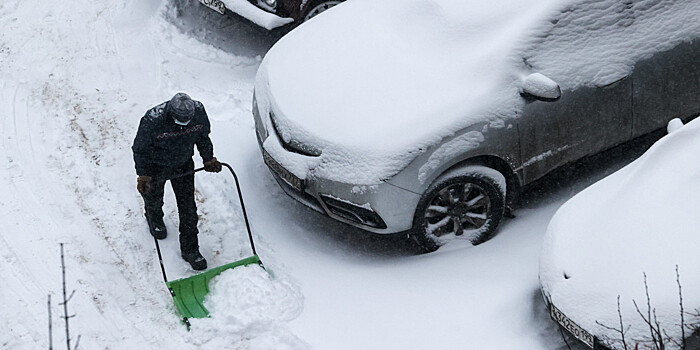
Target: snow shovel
{"type": "Point", "coordinates": [189, 293]}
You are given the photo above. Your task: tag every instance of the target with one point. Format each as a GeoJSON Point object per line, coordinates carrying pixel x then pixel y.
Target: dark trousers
{"type": "Point", "coordinates": [186, 206]}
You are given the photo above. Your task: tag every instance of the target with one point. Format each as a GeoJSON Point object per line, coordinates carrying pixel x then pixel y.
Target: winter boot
{"type": "Point", "coordinates": [195, 258]}
{"type": "Point", "coordinates": [157, 227]}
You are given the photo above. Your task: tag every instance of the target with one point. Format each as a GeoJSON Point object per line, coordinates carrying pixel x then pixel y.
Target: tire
{"type": "Point", "coordinates": [318, 6]}
{"type": "Point", "coordinates": [473, 196]}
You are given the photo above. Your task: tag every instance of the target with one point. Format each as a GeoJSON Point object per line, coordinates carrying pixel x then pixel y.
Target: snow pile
{"type": "Point", "coordinates": [640, 220]}
{"type": "Point", "coordinates": [249, 307]}
{"type": "Point", "coordinates": [373, 97]}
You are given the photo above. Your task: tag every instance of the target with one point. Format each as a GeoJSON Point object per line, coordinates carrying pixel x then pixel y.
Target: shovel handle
{"type": "Point", "coordinates": [180, 175]}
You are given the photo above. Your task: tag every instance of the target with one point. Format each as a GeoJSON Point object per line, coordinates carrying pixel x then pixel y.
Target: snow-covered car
{"type": "Point", "coordinates": [429, 116]}
{"type": "Point", "coordinates": [620, 242]}
{"type": "Point", "coordinates": [272, 14]}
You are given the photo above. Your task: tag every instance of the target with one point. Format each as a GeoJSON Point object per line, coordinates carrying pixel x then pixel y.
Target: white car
{"type": "Point", "coordinates": [619, 242]}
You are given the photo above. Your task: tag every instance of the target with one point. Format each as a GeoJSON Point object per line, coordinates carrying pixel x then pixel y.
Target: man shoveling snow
{"type": "Point", "coordinates": [163, 148]}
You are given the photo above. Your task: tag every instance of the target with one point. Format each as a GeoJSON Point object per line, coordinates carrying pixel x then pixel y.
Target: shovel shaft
{"type": "Point", "coordinates": [185, 320]}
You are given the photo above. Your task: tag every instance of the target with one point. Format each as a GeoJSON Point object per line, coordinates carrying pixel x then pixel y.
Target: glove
{"type": "Point", "coordinates": [143, 184]}
{"type": "Point", "coordinates": [212, 165]}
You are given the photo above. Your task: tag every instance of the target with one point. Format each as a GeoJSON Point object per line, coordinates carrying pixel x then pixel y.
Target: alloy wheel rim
{"type": "Point", "coordinates": [320, 8]}
{"type": "Point", "coordinates": [456, 209]}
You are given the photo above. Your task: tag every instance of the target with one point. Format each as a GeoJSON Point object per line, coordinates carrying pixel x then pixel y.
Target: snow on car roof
{"type": "Point", "coordinates": [375, 83]}
{"type": "Point", "coordinates": [595, 42]}
{"type": "Point", "coordinates": [640, 220]}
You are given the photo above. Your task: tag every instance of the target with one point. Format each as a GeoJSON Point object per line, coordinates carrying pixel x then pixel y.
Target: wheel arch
{"type": "Point", "coordinates": [513, 185]}
{"type": "Point", "coordinates": [309, 5]}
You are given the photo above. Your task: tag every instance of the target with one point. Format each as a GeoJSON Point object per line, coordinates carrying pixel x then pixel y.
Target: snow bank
{"type": "Point", "coordinates": [640, 220]}
{"type": "Point", "coordinates": [249, 307]}
{"type": "Point", "coordinates": [415, 72]}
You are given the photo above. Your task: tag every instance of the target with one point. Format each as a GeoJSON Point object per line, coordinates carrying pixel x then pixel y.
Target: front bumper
{"type": "Point", "coordinates": [380, 208]}
{"type": "Point", "coordinates": [587, 339]}
{"type": "Point", "coordinates": [254, 13]}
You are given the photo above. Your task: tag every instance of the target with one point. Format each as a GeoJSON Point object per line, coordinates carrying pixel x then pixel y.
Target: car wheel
{"type": "Point", "coordinates": [467, 203]}
{"type": "Point", "coordinates": [317, 7]}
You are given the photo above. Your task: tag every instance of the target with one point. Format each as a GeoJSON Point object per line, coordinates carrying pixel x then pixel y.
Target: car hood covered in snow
{"type": "Point", "coordinates": [641, 222]}
{"type": "Point", "coordinates": [382, 80]}
{"type": "Point", "coordinates": [375, 83]}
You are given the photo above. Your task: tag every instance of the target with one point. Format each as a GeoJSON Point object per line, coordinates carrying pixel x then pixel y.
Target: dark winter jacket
{"type": "Point", "coordinates": [161, 145]}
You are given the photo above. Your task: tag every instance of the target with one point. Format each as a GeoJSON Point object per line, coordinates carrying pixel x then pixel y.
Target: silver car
{"type": "Point", "coordinates": [430, 115]}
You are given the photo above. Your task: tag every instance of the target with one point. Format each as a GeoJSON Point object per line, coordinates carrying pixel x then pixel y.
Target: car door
{"type": "Point", "coordinates": [666, 86]}
{"type": "Point", "coordinates": [582, 122]}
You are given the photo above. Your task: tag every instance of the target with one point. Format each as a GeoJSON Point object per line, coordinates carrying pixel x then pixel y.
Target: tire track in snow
{"type": "Point", "coordinates": [99, 269]}
{"type": "Point", "coordinates": [24, 271]}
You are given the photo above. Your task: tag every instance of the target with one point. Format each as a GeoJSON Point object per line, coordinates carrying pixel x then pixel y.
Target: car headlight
{"type": "Point", "coordinates": [292, 145]}
{"type": "Point", "coordinates": [271, 3]}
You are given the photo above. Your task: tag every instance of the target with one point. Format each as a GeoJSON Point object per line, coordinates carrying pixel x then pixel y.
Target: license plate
{"type": "Point", "coordinates": [571, 327]}
{"type": "Point", "coordinates": [215, 5]}
{"type": "Point", "coordinates": [287, 176]}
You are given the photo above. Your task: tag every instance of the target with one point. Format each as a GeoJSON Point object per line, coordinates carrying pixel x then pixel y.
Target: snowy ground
{"type": "Point", "coordinates": [75, 78]}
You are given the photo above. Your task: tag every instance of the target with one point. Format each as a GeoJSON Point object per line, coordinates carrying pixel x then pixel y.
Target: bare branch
{"type": "Point", "coordinates": [622, 327]}
{"type": "Point", "coordinates": [673, 340]}
{"type": "Point", "coordinates": [680, 301]}
{"type": "Point", "coordinates": [649, 319]}
{"type": "Point", "coordinates": [66, 299]}
{"type": "Point", "coordinates": [607, 327]}
{"type": "Point", "coordinates": [50, 326]}
{"type": "Point", "coordinates": [77, 342]}
{"type": "Point", "coordinates": [620, 330]}
{"type": "Point", "coordinates": [658, 336]}
{"type": "Point", "coordinates": [661, 344]}
{"type": "Point", "coordinates": [69, 298]}
{"type": "Point", "coordinates": [652, 330]}
{"type": "Point", "coordinates": [563, 337]}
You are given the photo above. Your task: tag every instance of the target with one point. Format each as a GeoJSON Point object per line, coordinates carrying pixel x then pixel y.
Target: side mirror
{"type": "Point", "coordinates": [539, 87]}
{"type": "Point", "coordinates": [674, 125]}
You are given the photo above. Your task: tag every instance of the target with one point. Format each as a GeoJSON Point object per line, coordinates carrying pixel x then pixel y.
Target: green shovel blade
{"type": "Point", "coordinates": [189, 293]}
